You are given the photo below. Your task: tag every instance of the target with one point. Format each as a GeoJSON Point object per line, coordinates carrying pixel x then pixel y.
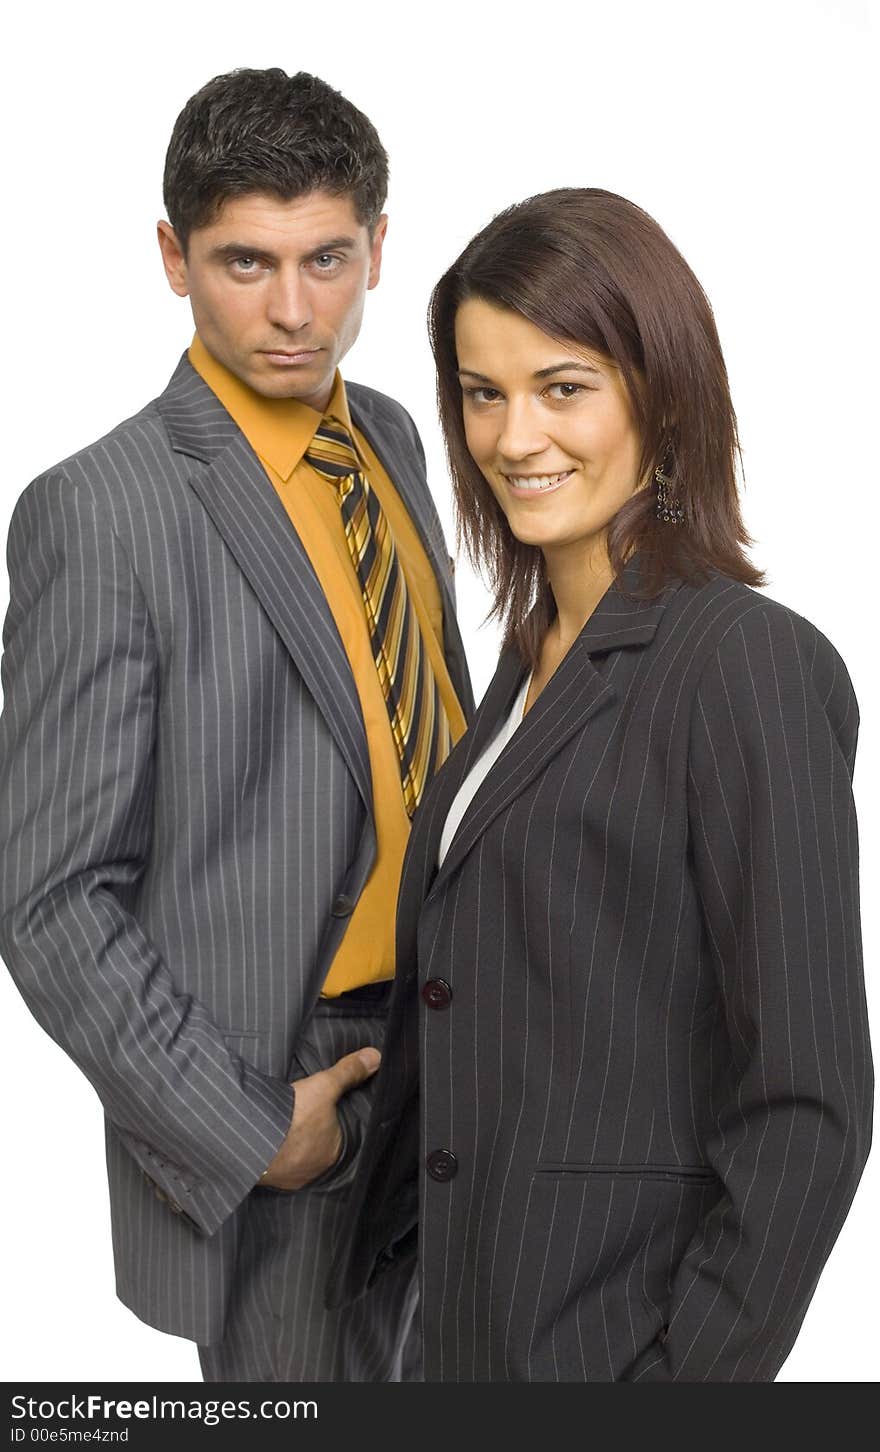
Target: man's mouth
{"type": "Point", "coordinates": [287, 357]}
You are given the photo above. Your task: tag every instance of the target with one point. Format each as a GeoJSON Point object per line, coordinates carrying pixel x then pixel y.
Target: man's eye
{"type": "Point", "coordinates": [327, 261]}
{"type": "Point", "coordinates": [244, 264]}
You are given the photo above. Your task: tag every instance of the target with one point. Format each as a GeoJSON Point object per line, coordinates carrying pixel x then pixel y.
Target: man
{"type": "Point", "coordinates": [231, 664]}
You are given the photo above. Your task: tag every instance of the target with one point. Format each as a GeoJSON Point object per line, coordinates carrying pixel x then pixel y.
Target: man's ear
{"type": "Point", "coordinates": [173, 259]}
{"type": "Point", "coordinates": [379, 231]}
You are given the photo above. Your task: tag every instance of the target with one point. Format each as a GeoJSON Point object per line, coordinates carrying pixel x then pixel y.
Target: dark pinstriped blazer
{"type": "Point", "coordinates": [650, 1074]}
{"type": "Point", "coordinates": [185, 810]}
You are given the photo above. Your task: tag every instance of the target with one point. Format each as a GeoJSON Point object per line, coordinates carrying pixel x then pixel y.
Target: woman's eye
{"type": "Point", "coordinates": [482, 395]}
{"type": "Point", "coordinates": [566, 390]}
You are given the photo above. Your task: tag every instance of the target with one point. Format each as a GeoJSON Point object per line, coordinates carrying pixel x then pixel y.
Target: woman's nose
{"type": "Point", "coordinates": [521, 433]}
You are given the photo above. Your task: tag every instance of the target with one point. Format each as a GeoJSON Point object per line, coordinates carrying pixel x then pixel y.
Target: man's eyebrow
{"type": "Point", "coordinates": [335, 244]}
{"type": "Point", "coordinates": [541, 372]}
{"type": "Point", "coordinates": [225, 251]}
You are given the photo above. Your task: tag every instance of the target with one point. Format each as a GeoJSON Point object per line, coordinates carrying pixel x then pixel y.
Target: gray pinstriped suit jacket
{"type": "Point", "coordinates": [185, 809]}
{"type": "Point", "coordinates": [654, 1071]}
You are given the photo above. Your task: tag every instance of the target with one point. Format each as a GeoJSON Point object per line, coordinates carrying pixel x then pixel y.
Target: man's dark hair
{"type": "Point", "coordinates": [265, 131]}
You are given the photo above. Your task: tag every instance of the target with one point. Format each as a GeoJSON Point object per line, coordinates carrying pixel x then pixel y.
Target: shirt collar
{"type": "Point", "coordinates": [279, 430]}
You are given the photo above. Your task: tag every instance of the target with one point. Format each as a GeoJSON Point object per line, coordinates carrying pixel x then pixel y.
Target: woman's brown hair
{"type": "Point", "coordinates": [590, 268]}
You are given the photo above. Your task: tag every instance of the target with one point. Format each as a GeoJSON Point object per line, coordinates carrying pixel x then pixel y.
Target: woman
{"type": "Point", "coordinates": [627, 1084]}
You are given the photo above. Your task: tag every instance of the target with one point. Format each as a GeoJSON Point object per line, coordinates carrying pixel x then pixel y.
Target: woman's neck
{"type": "Point", "coordinates": [578, 582]}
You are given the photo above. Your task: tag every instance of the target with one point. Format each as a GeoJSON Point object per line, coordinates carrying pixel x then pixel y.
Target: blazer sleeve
{"type": "Point", "coordinates": [77, 742]}
{"type": "Point", "coordinates": [775, 861]}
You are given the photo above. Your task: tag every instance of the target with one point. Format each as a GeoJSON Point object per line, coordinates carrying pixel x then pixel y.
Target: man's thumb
{"type": "Point", "coordinates": [370, 1058]}
{"type": "Point", "coordinates": [353, 1069]}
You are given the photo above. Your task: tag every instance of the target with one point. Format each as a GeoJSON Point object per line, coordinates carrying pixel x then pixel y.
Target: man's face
{"type": "Point", "coordinates": [277, 288]}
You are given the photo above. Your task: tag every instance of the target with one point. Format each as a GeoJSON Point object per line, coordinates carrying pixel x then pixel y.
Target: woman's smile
{"type": "Point", "coordinates": [551, 428]}
{"type": "Point", "coordinates": [535, 485]}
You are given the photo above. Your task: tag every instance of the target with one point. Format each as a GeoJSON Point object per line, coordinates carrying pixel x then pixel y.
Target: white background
{"type": "Point", "coordinates": [745, 129]}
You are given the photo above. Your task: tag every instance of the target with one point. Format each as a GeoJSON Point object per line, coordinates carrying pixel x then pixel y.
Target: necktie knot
{"type": "Point", "coordinates": [332, 451]}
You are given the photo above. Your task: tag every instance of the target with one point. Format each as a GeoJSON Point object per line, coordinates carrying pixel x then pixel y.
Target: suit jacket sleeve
{"type": "Point", "coordinates": [775, 862]}
{"type": "Point", "coordinates": [77, 740]}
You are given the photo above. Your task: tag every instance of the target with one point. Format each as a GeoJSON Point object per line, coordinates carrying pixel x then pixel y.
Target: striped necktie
{"type": "Point", "coordinates": [418, 719]}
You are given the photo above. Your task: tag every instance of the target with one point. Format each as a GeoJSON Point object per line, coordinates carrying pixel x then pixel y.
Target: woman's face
{"type": "Point", "coordinates": [550, 426]}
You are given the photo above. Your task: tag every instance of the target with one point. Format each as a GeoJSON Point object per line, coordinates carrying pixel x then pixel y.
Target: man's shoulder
{"type": "Point", "coordinates": [115, 465]}
{"type": "Point", "coordinates": [184, 418]}
{"type": "Point", "coordinates": [115, 482]}
{"type": "Point", "coordinates": [379, 408]}
{"type": "Point", "coordinates": [146, 427]}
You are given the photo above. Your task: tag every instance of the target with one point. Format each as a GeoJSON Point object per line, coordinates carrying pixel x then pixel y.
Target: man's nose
{"type": "Point", "coordinates": [289, 306]}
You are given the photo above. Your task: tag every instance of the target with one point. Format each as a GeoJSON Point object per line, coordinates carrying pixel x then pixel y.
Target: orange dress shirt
{"type": "Point", "coordinates": [279, 431]}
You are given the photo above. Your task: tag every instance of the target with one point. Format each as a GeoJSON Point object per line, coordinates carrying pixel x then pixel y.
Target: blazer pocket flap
{"type": "Point", "coordinates": [697, 1174]}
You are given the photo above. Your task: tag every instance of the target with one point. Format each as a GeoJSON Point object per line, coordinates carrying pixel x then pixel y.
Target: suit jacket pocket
{"type": "Point", "coordinates": [673, 1201]}
{"type": "Point", "coordinates": [312, 1053]}
{"type": "Point", "coordinates": [696, 1174]}
{"type": "Point", "coordinates": [590, 1281]}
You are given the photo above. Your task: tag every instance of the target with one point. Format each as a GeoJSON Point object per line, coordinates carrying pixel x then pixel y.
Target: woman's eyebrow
{"type": "Point", "coordinates": [539, 373]}
{"type": "Point", "coordinates": [565, 368]}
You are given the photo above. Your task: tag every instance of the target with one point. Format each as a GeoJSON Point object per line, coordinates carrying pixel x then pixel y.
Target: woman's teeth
{"type": "Point", "coordinates": [536, 482]}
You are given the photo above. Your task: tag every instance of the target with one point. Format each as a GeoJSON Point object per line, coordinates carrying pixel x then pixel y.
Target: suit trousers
{"type": "Point", "coordinates": [277, 1328]}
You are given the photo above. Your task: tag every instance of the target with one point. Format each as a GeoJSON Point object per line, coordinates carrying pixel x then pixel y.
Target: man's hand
{"type": "Point", "coordinates": [314, 1140]}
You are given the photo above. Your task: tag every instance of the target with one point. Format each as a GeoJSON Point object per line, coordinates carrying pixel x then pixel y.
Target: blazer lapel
{"type": "Point", "coordinates": [429, 820]}
{"type": "Point", "coordinates": [572, 695]}
{"type": "Point", "coordinates": [394, 446]}
{"type": "Point", "coordinates": [233, 486]}
{"type": "Point", "coordinates": [575, 693]}
{"type": "Point", "coordinates": [395, 451]}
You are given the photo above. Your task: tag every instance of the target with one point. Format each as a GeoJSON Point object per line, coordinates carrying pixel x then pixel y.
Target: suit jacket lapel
{"type": "Point", "coordinates": [429, 820]}
{"type": "Point", "coordinates": [233, 486]}
{"type": "Point", "coordinates": [395, 451]}
{"type": "Point", "coordinates": [575, 693]}
{"type": "Point", "coordinates": [394, 447]}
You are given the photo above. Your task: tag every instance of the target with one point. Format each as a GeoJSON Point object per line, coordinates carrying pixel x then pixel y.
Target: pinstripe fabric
{"type": "Point", "coordinates": [185, 813]}
{"type": "Point", "coordinates": [654, 1071]}
{"type": "Point", "coordinates": [272, 1330]}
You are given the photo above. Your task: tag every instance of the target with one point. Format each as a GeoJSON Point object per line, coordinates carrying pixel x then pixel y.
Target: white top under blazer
{"type": "Point", "coordinates": [481, 768]}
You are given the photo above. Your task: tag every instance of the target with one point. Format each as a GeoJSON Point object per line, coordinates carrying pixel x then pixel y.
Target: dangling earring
{"type": "Point", "coordinates": [668, 507]}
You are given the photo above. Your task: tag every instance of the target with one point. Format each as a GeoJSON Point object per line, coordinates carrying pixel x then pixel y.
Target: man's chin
{"type": "Point", "coordinates": [306, 382]}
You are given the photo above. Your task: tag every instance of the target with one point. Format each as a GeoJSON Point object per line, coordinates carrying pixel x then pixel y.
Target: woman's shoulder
{"type": "Point", "coordinates": [763, 652]}
{"type": "Point", "coordinates": [728, 607]}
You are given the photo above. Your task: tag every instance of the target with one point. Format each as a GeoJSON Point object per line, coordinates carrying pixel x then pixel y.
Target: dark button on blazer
{"type": "Point", "coordinates": [654, 1070]}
